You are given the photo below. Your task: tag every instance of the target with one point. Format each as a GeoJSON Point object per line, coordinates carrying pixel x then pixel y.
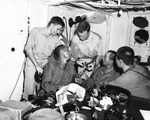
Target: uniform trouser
{"type": "Point", "coordinates": [29, 80]}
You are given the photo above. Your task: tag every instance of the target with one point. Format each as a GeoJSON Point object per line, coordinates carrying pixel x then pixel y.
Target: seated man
{"type": "Point", "coordinates": [134, 77]}
{"type": "Point", "coordinates": [106, 73]}
{"type": "Point", "coordinates": [59, 70]}
{"type": "Point", "coordinates": [137, 59]}
{"type": "Point", "coordinates": [148, 67]}
{"type": "Point", "coordinates": [148, 63]}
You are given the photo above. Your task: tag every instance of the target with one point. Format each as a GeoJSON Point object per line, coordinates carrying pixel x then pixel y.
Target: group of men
{"type": "Point", "coordinates": [56, 61]}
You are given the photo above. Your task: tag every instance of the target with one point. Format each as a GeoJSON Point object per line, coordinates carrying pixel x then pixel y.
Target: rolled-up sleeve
{"type": "Point", "coordinates": [30, 40]}
{"type": "Point", "coordinates": [99, 47]}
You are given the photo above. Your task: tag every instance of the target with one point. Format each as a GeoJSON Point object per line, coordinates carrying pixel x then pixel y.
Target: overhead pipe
{"type": "Point", "coordinates": [57, 3]}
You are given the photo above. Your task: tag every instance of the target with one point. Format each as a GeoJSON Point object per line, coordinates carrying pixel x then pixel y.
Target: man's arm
{"type": "Point", "coordinates": [73, 31]}
{"type": "Point", "coordinates": [99, 49]}
{"type": "Point", "coordinates": [98, 59]}
{"type": "Point", "coordinates": [34, 61]}
{"type": "Point", "coordinates": [47, 83]}
{"type": "Point", "coordinates": [29, 50]}
{"type": "Point", "coordinates": [121, 81]}
{"type": "Point", "coordinates": [47, 77]}
{"type": "Point", "coordinates": [75, 51]}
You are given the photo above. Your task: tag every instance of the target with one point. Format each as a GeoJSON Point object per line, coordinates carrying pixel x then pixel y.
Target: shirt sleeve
{"type": "Point", "coordinates": [47, 76]}
{"type": "Point", "coordinates": [121, 81]}
{"type": "Point", "coordinates": [95, 76]}
{"type": "Point", "coordinates": [68, 74]}
{"type": "Point", "coordinates": [30, 40]}
{"type": "Point", "coordinates": [74, 49]}
{"type": "Point", "coordinates": [99, 47]}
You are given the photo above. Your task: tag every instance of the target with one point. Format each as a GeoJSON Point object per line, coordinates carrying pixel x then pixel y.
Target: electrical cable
{"type": "Point", "coordinates": [18, 78]}
{"type": "Point", "coordinates": [27, 6]}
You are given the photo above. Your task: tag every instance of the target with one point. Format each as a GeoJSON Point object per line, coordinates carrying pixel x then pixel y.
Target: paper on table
{"type": "Point", "coordinates": [145, 114]}
{"type": "Point", "coordinates": [61, 95]}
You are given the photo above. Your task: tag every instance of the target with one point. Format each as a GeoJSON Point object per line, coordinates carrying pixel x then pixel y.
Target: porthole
{"type": "Point", "coordinates": [141, 36]}
{"type": "Point", "coordinates": [140, 22]}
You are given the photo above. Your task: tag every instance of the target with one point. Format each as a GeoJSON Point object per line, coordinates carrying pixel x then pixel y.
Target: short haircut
{"type": "Point", "coordinates": [56, 20]}
{"type": "Point", "coordinates": [57, 51]}
{"type": "Point", "coordinates": [83, 26]}
{"type": "Point", "coordinates": [138, 58]}
{"type": "Point", "coordinates": [112, 56]}
{"type": "Point", "coordinates": [126, 54]}
{"type": "Point", "coordinates": [148, 59]}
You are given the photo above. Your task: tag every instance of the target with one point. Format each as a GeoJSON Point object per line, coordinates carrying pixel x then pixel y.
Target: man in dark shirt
{"type": "Point", "coordinates": [134, 77]}
{"type": "Point", "coordinates": [106, 73]}
{"type": "Point", "coordinates": [58, 71]}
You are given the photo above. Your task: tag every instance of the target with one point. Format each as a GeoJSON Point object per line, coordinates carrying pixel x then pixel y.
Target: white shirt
{"type": "Point", "coordinates": [89, 48]}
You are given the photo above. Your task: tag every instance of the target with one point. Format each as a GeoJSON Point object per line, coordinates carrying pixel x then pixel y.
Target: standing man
{"type": "Point", "coordinates": [39, 47]}
{"type": "Point", "coordinates": [86, 43]}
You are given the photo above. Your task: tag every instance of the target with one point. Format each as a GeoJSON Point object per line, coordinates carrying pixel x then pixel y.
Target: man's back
{"type": "Point", "coordinates": [134, 80]}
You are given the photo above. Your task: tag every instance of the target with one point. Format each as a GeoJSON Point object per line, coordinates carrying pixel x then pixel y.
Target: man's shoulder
{"type": "Point", "coordinates": [75, 38]}
{"type": "Point", "coordinates": [51, 61]}
{"type": "Point", "coordinates": [140, 69]}
{"type": "Point", "coordinates": [131, 75]}
{"type": "Point", "coordinates": [36, 29]}
{"type": "Point", "coordinates": [70, 64]}
{"type": "Point", "coordinates": [96, 35]}
{"type": "Point", "coordinates": [70, 67]}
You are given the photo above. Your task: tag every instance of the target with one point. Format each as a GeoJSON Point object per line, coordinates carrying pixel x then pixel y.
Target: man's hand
{"type": "Point", "coordinates": [98, 59]}
{"type": "Point", "coordinates": [78, 80]}
{"type": "Point", "coordinates": [39, 69]}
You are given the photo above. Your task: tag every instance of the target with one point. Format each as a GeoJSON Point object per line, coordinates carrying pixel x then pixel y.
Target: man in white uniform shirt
{"type": "Point", "coordinates": [86, 43]}
{"type": "Point", "coordinates": [39, 46]}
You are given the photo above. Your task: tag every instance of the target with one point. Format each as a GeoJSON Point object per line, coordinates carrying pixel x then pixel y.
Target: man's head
{"type": "Point", "coordinates": [61, 31]}
{"type": "Point", "coordinates": [109, 58]}
{"type": "Point", "coordinates": [83, 30]}
{"type": "Point", "coordinates": [137, 59]}
{"type": "Point", "coordinates": [62, 53]}
{"type": "Point", "coordinates": [125, 56]}
{"type": "Point", "coordinates": [55, 25]}
{"type": "Point", "coordinates": [148, 60]}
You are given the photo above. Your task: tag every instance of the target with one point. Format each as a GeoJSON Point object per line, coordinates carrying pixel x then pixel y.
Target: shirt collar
{"type": "Point", "coordinates": [44, 31]}
{"type": "Point", "coordinates": [130, 68]}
